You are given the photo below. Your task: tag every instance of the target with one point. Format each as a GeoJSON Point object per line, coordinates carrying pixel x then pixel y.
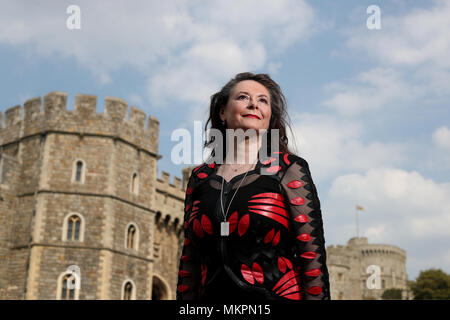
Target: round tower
{"type": "Point", "coordinates": [383, 267]}
{"type": "Point", "coordinates": [360, 270]}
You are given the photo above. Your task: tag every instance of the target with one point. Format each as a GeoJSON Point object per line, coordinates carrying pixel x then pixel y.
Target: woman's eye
{"type": "Point", "coordinates": [264, 100]}
{"type": "Point", "coordinates": [242, 96]}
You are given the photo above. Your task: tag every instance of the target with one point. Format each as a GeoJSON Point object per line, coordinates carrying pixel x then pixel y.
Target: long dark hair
{"type": "Point", "coordinates": [278, 120]}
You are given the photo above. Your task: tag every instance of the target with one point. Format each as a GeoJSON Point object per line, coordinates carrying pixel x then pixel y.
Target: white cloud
{"type": "Point", "coordinates": [418, 42]}
{"type": "Point", "coordinates": [334, 145]}
{"type": "Point", "coordinates": [370, 90]}
{"type": "Point", "coordinates": [186, 47]}
{"type": "Point", "coordinates": [411, 51]}
{"type": "Point", "coordinates": [378, 231]}
{"type": "Point", "coordinates": [401, 208]}
{"type": "Point", "coordinates": [193, 76]}
{"type": "Point", "coordinates": [421, 36]}
{"type": "Point", "coordinates": [441, 137]}
{"type": "Point", "coordinates": [398, 204]}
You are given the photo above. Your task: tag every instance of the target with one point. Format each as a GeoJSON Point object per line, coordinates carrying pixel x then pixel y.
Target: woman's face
{"type": "Point", "coordinates": [248, 106]}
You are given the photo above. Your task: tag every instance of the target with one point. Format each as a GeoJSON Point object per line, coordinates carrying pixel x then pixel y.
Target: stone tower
{"type": "Point", "coordinates": [351, 267]}
{"type": "Point", "coordinates": [79, 191]}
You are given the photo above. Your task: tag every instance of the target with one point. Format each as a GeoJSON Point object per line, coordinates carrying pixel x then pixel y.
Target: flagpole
{"type": "Point", "coordinates": [357, 222]}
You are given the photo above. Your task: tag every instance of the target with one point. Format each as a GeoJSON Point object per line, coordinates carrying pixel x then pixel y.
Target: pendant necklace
{"type": "Point", "coordinates": [225, 225]}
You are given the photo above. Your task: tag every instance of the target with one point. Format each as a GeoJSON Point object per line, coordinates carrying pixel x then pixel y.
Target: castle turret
{"type": "Point", "coordinates": [79, 191]}
{"type": "Point", "coordinates": [361, 270]}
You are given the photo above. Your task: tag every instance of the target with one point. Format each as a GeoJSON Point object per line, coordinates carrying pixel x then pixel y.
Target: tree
{"type": "Point", "coordinates": [392, 294]}
{"type": "Point", "coordinates": [432, 284]}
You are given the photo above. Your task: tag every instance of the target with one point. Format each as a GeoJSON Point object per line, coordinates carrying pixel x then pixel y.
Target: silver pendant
{"type": "Point", "coordinates": [225, 229]}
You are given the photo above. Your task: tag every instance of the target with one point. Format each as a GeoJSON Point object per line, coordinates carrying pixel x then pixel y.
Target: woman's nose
{"type": "Point", "coordinates": [252, 103]}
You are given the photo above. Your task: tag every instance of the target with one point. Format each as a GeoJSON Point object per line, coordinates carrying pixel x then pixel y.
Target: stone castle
{"type": "Point", "coordinates": [79, 190]}
{"type": "Point", "coordinates": [83, 214]}
{"type": "Point", "coordinates": [360, 270]}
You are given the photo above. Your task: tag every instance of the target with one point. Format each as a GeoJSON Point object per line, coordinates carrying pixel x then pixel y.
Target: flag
{"type": "Point", "coordinates": [359, 208]}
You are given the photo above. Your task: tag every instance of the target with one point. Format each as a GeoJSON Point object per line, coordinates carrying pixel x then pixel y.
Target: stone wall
{"type": "Point", "coordinates": [348, 268]}
{"type": "Point", "coordinates": [41, 145]}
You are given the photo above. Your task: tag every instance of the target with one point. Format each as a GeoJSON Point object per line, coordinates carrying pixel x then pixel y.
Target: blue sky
{"type": "Point", "coordinates": [369, 108]}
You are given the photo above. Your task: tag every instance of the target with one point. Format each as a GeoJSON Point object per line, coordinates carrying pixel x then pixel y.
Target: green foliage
{"type": "Point", "coordinates": [432, 284]}
{"type": "Point", "coordinates": [392, 294]}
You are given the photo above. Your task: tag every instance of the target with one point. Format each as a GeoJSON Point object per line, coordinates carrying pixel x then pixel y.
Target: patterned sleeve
{"type": "Point", "coordinates": [307, 230]}
{"type": "Point", "coordinates": [189, 275]}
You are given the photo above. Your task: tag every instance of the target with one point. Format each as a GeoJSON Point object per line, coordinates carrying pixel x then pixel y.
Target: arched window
{"type": "Point", "coordinates": [135, 183]}
{"type": "Point", "coordinates": [158, 216]}
{"type": "Point", "coordinates": [73, 227]}
{"type": "Point", "coordinates": [78, 171]}
{"type": "Point", "coordinates": [68, 287]}
{"type": "Point", "coordinates": [132, 236]}
{"type": "Point", "coordinates": [128, 290]}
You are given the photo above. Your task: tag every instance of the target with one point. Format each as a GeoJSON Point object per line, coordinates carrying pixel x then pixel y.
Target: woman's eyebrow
{"type": "Point", "coordinates": [262, 94]}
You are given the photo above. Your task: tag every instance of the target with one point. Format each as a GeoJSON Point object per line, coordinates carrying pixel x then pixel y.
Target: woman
{"type": "Point", "coordinates": [253, 230]}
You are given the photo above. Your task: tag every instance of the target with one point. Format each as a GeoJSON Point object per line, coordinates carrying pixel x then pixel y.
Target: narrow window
{"type": "Point", "coordinates": [79, 169]}
{"type": "Point", "coordinates": [128, 290]}
{"type": "Point", "coordinates": [73, 228]}
{"type": "Point", "coordinates": [68, 287]}
{"type": "Point", "coordinates": [134, 183]}
{"type": "Point", "coordinates": [1, 168]}
{"type": "Point", "coordinates": [131, 237]}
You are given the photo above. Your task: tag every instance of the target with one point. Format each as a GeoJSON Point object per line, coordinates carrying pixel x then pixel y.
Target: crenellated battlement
{"type": "Point", "coordinates": [170, 198]}
{"type": "Point", "coordinates": [361, 245]}
{"type": "Point", "coordinates": [382, 249]}
{"type": "Point", "coordinates": [51, 114]}
{"type": "Point", "coordinates": [336, 247]}
{"type": "Point", "coordinates": [165, 183]}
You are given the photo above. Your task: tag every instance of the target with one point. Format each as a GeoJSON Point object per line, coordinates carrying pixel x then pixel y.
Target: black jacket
{"type": "Point", "coordinates": [276, 246]}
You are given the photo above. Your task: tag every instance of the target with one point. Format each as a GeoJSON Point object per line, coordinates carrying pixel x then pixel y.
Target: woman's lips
{"type": "Point", "coordinates": [252, 116]}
